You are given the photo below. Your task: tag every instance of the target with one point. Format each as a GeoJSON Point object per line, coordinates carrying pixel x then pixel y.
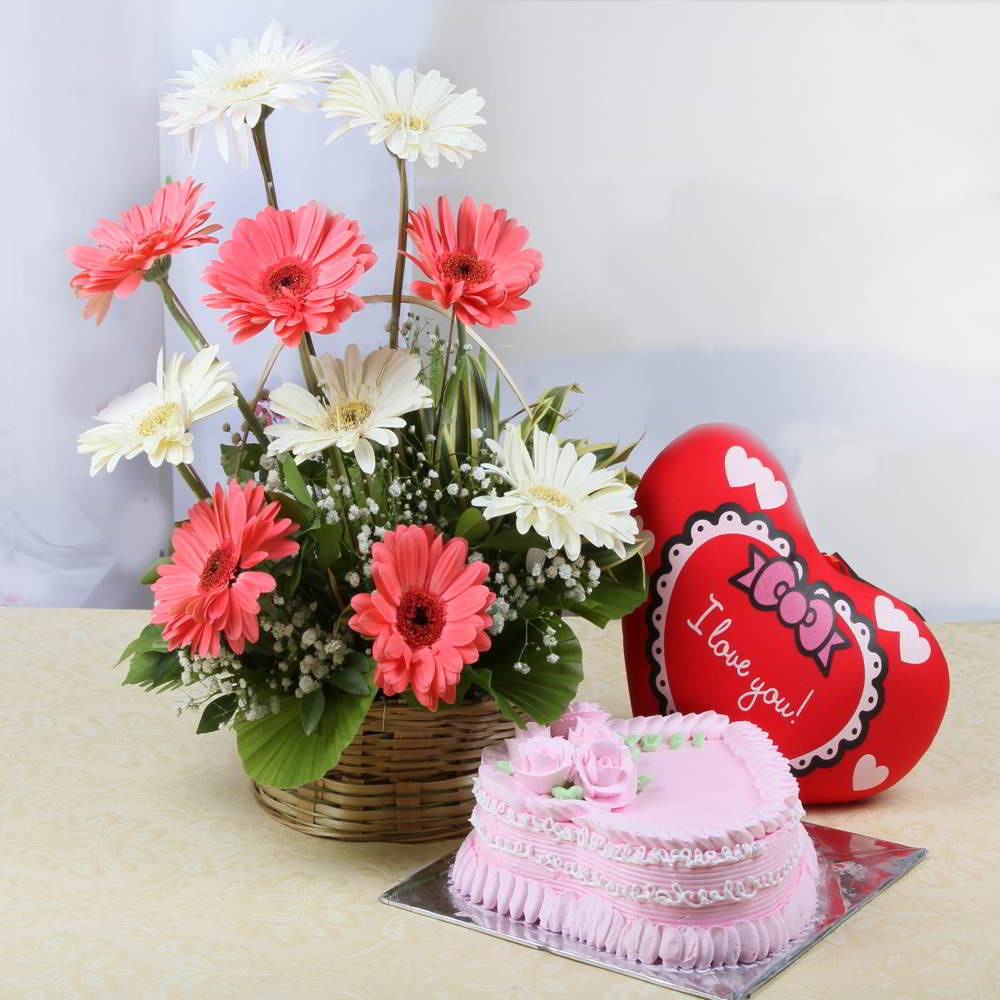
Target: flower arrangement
{"type": "Point", "coordinates": [382, 530]}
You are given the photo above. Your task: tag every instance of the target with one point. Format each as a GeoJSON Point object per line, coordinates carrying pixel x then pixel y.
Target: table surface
{"type": "Point", "coordinates": [136, 864]}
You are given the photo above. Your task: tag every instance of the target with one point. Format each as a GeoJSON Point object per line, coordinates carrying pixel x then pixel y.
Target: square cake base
{"type": "Point", "coordinates": [853, 869]}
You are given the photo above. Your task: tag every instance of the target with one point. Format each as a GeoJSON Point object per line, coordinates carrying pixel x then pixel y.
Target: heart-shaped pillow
{"type": "Point", "coordinates": [748, 618]}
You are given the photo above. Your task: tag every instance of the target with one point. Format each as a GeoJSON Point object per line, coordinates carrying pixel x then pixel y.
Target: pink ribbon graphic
{"type": "Point", "coordinates": [773, 583]}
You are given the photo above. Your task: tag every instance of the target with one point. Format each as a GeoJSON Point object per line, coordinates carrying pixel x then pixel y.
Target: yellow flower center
{"type": "Point", "coordinates": [156, 419]}
{"type": "Point", "coordinates": [349, 416]}
{"type": "Point", "coordinates": [248, 80]}
{"type": "Point", "coordinates": [414, 122]}
{"type": "Point", "coordinates": [549, 494]}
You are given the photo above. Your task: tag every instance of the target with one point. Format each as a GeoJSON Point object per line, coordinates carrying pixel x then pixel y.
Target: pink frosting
{"type": "Point", "coordinates": [578, 711]}
{"type": "Point", "coordinates": [540, 762]}
{"type": "Point", "coordinates": [605, 770]}
{"type": "Point", "coordinates": [707, 866]}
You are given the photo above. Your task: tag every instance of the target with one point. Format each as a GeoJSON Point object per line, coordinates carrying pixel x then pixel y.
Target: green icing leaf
{"type": "Point", "coordinates": [504, 766]}
{"type": "Point", "coordinates": [698, 739]}
{"type": "Point", "coordinates": [651, 741]}
{"type": "Point", "coordinates": [277, 752]}
{"type": "Point", "coordinates": [573, 792]}
{"type": "Point", "coordinates": [644, 779]}
{"type": "Point", "coordinates": [675, 740]}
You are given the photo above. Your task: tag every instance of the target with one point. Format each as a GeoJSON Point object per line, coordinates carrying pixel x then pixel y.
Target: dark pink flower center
{"type": "Point", "coordinates": [288, 277]}
{"type": "Point", "coordinates": [219, 568]}
{"type": "Point", "coordinates": [466, 266]}
{"type": "Point", "coordinates": [420, 618]}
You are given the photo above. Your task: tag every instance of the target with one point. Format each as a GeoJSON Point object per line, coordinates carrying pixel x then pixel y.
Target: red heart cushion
{"type": "Point", "coordinates": [747, 617]}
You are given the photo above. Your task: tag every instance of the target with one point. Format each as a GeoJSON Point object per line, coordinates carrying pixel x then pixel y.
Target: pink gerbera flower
{"type": "Point", "coordinates": [427, 614]}
{"type": "Point", "coordinates": [479, 266]}
{"type": "Point", "coordinates": [172, 221]}
{"type": "Point", "coordinates": [292, 269]}
{"type": "Point", "coordinates": [210, 588]}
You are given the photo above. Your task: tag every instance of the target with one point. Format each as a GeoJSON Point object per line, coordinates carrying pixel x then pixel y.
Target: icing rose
{"type": "Point", "coordinates": [576, 712]}
{"type": "Point", "coordinates": [531, 730]}
{"type": "Point", "coordinates": [605, 769]}
{"type": "Point", "coordinates": [590, 730]}
{"type": "Point", "coordinates": [540, 762]}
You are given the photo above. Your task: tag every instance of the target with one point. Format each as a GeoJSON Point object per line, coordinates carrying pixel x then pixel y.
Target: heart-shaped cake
{"type": "Point", "coordinates": [668, 839]}
{"type": "Point", "coordinates": [746, 616]}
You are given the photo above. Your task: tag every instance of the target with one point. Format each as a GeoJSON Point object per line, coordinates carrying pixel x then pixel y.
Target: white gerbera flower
{"type": "Point", "coordinates": [364, 401]}
{"type": "Point", "coordinates": [414, 114]}
{"type": "Point", "coordinates": [561, 495]}
{"type": "Point", "coordinates": [231, 90]}
{"type": "Point", "coordinates": [156, 418]}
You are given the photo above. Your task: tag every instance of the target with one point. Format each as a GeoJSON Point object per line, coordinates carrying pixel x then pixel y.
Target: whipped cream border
{"type": "Point", "coordinates": [595, 920]}
{"type": "Point", "coordinates": [632, 854]}
{"type": "Point", "coordinates": [732, 890]}
{"type": "Point", "coordinates": [729, 520]}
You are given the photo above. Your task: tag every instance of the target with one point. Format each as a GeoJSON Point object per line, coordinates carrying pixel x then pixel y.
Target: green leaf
{"type": "Point", "coordinates": [294, 481]}
{"type": "Point", "coordinates": [151, 637]}
{"type": "Point", "coordinates": [350, 680]}
{"type": "Point", "coordinates": [513, 541]}
{"type": "Point", "coordinates": [549, 411]}
{"type": "Point", "coordinates": [153, 670]}
{"type": "Point", "coordinates": [291, 508]}
{"type": "Point", "coordinates": [311, 710]}
{"type": "Point", "coordinates": [488, 414]}
{"type": "Point", "coordinates": [152, 574]}
{"type": "Point", "coordinates": [483, 677]}
{"type": "Point", "coordinates": [217, 713]}
{"type": "Point", "coordinates": [250, 462]}
{"type": "Point", "coordinates": [275, 751]}
{"type": "Point", "coordinates": [355, 674]}
{"type": "Point", "coordinates": [471, 524]}
{"type": "Point", "coordinates": [328, 538]}
{"type": "Point", "coordinates": [620, 591]}
{"type": "Point", "coordinates": [548, 688]}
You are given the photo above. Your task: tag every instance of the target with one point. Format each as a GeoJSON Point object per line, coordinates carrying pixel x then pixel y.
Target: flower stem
{"type": "Point", "coordinates": [306, 350]}
{"type": "Point", "coordinates": [264, 158]}
{"type": "Point", "coordinates": [397, 279]}
{"type": "Point", "coordinates": [194, 481]}
{"type": "Point", "coordinates": [183, 319]}
{"type": "Point", "coordinates": [306, 354]}
{"type": "Point", "coordinates": [444, 386]}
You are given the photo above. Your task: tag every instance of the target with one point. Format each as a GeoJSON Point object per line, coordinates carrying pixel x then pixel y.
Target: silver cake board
{"type": "Point", "coordinates": [853, 869]}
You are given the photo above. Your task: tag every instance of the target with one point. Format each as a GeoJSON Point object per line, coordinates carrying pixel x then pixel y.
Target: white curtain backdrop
{"type": "Point", "coordinates": [783, 215]}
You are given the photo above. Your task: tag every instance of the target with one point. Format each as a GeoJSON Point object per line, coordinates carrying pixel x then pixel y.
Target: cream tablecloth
{"type": "Point", "coordinates": [135, 863]}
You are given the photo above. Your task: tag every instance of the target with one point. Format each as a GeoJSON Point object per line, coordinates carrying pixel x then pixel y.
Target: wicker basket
{"type": "Point", "coordinates": [407, 777]}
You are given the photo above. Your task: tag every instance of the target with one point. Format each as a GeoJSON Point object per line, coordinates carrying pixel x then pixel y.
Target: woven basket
{"type": "Point", "coordinates": [407, 777]}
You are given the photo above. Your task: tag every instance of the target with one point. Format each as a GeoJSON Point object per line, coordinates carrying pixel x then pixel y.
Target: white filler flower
{"type": "Point", "coordinates": [560, 495]}
{"type": "Point", "coordinates": [231, 91]}
{"type": "Point", "coordinates": [416, 114]}
{"type": "Point", "coordinates": [156, 418]}
{"type": "Point", "coordinates": [364, 401]}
